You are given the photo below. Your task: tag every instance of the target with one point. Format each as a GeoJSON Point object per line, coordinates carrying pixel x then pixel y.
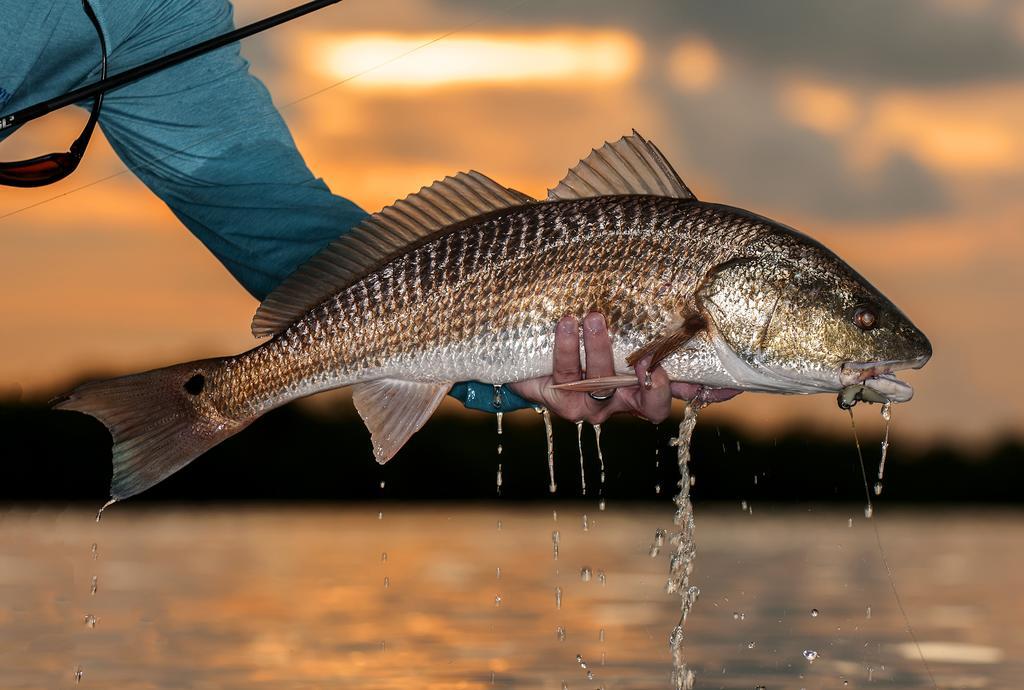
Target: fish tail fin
{"type": "Point", "coordinates": [159, 420]}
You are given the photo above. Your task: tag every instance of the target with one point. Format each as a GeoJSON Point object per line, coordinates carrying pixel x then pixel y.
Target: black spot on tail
{"type": "Point", "coordinates": [195, 385]}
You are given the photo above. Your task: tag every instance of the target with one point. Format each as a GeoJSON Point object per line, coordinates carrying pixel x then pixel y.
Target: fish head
{"type": "Point", "coordinates": [791, 316]}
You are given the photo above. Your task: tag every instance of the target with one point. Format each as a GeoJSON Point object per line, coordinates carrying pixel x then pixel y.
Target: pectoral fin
{"type": "Point", "coordinates": [669, 341]}
{"type": "Point", "coordinates": [393, 410]}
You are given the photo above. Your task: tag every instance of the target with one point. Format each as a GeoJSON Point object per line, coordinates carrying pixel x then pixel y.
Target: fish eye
{"type": "Point", "coordinates": [865, 317]}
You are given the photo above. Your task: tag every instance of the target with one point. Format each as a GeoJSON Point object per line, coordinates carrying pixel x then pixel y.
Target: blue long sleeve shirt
{"type": "Point", "coordinates": [204, 135]}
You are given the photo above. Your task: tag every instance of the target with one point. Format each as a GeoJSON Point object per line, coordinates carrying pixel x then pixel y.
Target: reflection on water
{"type": "Point", "coordinates": [269, 598]}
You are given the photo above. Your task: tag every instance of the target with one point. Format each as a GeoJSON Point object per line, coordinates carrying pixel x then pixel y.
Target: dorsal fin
{"type": "Point", "coordinates": [384, 235]}
{"type": "Point", "coordinates": [631, 165]}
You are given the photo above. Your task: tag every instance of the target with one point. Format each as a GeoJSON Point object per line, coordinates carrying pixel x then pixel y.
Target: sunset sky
{"type": "Point", "coordinates": [891, 132]}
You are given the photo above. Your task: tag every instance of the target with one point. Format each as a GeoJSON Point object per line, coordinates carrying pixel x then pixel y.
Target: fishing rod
{"type": "Point", "coordinates": [144, 70]}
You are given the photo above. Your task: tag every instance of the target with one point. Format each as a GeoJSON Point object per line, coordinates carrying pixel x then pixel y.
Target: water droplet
{"type": "Point", "coordinates": [601, 577]}
{"type": "Point", "coordinates": [383, 645]}
{"type": "Point", "coordinates": [99, 513]}
{"type": "Point", "coordinates": [387, 582]}
{"type": "Point", "coordinates": [600, 635]}
{"type": "Point", "coordinates": [90, 620]}
{"type": "Point", "coordinates": [496, 401]}
{"type": "Point", "coordinates": [382, 483]}
{"type": "Point", "coordinates": [657, 488]}
{"type": "Point", "coordinates": [648, 380]}
{"type": "Point", "coordinates": [499, 525]}
{"type": "Point", "coordinates": [543, 411]}
{"type": "Point", "coordinates": [743, 506]}
{"type": "Point", "coordinates": [886, 411]}
{"type": "Point", "coordinates": [78, 675]}
{"type": "Point", "coordinates": [867, 612]}
{"type": "Point", "coordinates": [580, 661]}
{"type": "Point", "coordinates": [560, 634]}
{"type": "Point", "coordinates": [497, 600]}
{"type": "Point", "coordinates": [383, 556]}
{"type": "Point", "coordinates": [675, 638]}
{"type": "Point", "coordinates": [659, 541]}
{"type": "Point", "coordinates": [565, 686]}
{"type": "Point", "coordinates": [810, 655]}
{"type": "Point", "coordinates": [498, 481]}
{"type": "Point", "coordinates": [849, 523]}
{"type": "Point", "coordinates": [558, 597]}
{"type": "Point", "coordinates": [555, 541]}
{"type": "Point", "coordinates": [814, 613]}
{"type": "Point", "coordinates": [497, 573]}
{"type": "Point", "coordinates": [869, 510]}
{"type": "Point", "coordinates": [739, 616]}
{"type": "Point", "coordinates": [585, 574]}
{"type": "Point", "coordinates": [878, 488]}
{"type": "Point", "coordinates": [380, 515]}
{"type": "Point", "coordinates": [95, 551]}
{"type": "Point", "coordinates": [93, 584]}
{"type": "Point", "coordinates": [601, 505]}
{"type": "Point", "coordinates": [751, 645]}
{"type": "Point", "coordinates": [579, 444]}
{"type": "Point", "coordinates": [586, 523]}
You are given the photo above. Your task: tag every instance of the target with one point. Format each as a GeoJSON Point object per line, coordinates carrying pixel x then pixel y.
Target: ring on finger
{"type": "Point", "coordinates": [601, 396]}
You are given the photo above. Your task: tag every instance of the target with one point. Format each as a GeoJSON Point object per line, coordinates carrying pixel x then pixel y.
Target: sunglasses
{"type": "Point", "coordinates": [44, 170]}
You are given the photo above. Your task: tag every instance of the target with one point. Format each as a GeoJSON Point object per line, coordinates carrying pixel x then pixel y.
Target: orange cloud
{"type": "Point", "coordinates": [416, 61]}
{"type": "Point", "coordinates": [694, 64]}
{"type": "Point", "coordinates": [825, 108]}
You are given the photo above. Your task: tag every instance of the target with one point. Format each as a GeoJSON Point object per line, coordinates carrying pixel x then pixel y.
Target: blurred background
{"type": "Point", "coordinates": [891, 132]}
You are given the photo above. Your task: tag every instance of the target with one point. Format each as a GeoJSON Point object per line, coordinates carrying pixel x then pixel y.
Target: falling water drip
{"type": "Point", "coordinates": [600, 635]}
{"type": "Point", "coordinates": [94, 550]}
{"type": "Point", "coordinates": [601, 505]}
{"type": "Point", "coordinates": [543, 411]}
{"type": "Point", "coordinates": [500, 432]}
{"type": "Point", "coordinates": [383, 556]}
{"type": "Point", "coordinates": [682, 562]}
{"type": "Point", "coordinates": [90, 620]}
{"type": "Point", "coordinates": [586, 523]}
{"type": "Point", "coordinates": [814, 613]}
{"type": "Point", "coordinates": [810, 655]}
{"type": "Point", "coordinates": [497, 600]}
{"type": "Point", "coordinates": [496, 401]}
{"type": "Point", "coordinates": [78, 675]}
{"type": "Point", "coordinates": [558, 598]}
{"type": "Point", "coordinates": [382, 483]}
{"type": "Point", "coordinates": [497, 573]}
{"type": "Point", "coordinates": [600, 456]}
{"type": "Point", "coordinates": [99, 513]}
{"type": "Point", "coordinates": [560, 633]}
{"type": "Point", "coordinates": [93, 585]}
{"type": "Point", "coordinates": [387, 582]}
{"type": "Point", "coordinates": [659, 541]}
{"type": "Point", "coordinates": [586, 573]}
{"type": "Point", "coordinates": [555, 539]}
{"type": "Point", "coordinates": [579, 444]}
{"type": "Point", "coordinates": [380, 514]}
{"type": "Point", "coordinates": [602, 578]}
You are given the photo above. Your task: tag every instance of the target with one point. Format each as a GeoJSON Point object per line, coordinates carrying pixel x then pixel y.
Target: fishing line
{"type": "Point", "coordinates": [148, 163]}
{"type": "Point", "coordinates": [869, 512]}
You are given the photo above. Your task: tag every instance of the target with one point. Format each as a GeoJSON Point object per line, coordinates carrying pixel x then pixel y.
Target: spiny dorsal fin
{"type": "Point", "coordinates": [393, 410]}
{"type": "Point", "coordinates": [379, 238]}
{"type": "Point", "coordinates": [631, 165]}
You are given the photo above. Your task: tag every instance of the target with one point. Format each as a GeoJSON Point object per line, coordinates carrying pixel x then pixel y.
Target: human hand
{"type": "Point", "coordinates": [652, 402]}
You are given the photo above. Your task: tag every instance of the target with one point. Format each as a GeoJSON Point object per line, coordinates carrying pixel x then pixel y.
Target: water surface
{"type": "Point", "coordinates": [241, 597]}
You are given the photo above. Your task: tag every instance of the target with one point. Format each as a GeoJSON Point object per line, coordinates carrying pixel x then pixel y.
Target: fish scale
{"type": "Point", "coordinates": [467, 279]}
{"type": "Point", "coordinates": [484, 300]}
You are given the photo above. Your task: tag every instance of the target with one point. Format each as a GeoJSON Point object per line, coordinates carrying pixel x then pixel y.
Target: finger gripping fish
{"type": "Point", "coordinates": [466, 279]}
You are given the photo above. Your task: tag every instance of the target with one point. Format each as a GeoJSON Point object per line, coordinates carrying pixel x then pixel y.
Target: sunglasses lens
{"type": "Point", "coordinates": [37, 172]}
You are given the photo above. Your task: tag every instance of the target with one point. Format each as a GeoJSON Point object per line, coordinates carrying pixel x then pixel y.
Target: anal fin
{"type": "Point", "coordinates": [393, 410]}
{"type": "Point", "coordinates": [668, 342]}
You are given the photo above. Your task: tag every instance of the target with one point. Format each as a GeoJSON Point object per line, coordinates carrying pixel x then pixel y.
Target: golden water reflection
{"type": "Point", "coordinates": [296, 598]}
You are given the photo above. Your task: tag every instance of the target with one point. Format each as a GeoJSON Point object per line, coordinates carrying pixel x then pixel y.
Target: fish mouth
{"type": "Point", "coordinates": [878, 377]}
